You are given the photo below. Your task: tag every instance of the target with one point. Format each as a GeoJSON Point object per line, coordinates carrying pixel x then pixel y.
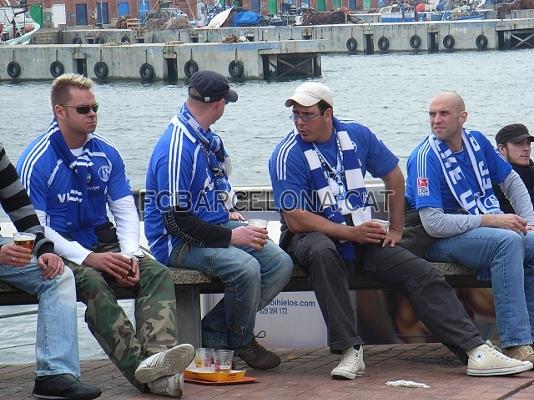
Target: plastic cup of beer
{"type": "Point", "coordinates": [383, 222]}
{"type": "Point", "coordinates": [24, 239]}
{"type": "Point", "coordinates": [222, 360]}
{"type": "Point", "coordinates": [130, 257]}
{"type": "Point", "coordinates": [203, 358]}
{"type": "Point", "coordinates": [259, 223]}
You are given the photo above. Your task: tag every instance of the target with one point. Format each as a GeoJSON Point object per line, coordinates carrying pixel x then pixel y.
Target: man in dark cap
{"type": "Point", "coordinates": [190, 222]}
{"type": "Point", "coordinates": [514, 143]}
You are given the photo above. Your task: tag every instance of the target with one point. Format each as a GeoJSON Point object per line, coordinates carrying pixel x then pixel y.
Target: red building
{"type": "Point", "coordinates": [94, 12]}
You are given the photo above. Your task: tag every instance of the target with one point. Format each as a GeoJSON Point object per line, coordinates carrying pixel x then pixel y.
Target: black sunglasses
{"type": "Point", "coordinates": [83, 109]}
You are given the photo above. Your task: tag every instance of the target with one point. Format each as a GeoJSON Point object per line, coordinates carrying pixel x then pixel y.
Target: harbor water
{"type": "Point", "coordinates": [388, 93]}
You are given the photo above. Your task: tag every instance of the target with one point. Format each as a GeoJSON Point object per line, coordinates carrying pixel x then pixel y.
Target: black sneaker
{"type": "Point", "coordinates": [257, 356]}
{"type": "Point", "coordinates": [63, 387]}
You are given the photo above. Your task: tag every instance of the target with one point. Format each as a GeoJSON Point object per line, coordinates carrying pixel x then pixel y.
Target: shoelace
{"type": "Point", "coordinates": [499, 353]}
{"type": "Point", "coordinates": [349, 358]}
{"type": "Point", "coordinates": [496, 350]}
{"type": "Point", "coordinates": [261, 335]}
{"type": "Point", "coordinates": [491, 345]}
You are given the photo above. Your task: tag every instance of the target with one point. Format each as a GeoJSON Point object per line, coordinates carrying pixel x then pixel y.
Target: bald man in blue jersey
{"type": "Point", "coordinates": [450, 178]}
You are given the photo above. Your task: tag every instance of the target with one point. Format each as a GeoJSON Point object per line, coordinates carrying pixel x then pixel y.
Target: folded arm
{"type": "Point", "coordinates": [516, 192]}
{"type": "Point", "coordinates": [194, 230]}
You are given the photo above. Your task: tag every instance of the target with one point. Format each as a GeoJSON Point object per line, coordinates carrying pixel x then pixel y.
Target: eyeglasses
{"type": "Point", "coordinates": [83, 109]}
{"type": "Point", "coordinates": [304, 117]}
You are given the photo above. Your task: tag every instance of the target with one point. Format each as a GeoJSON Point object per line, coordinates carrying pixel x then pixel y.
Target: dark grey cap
{"type": "Point", "coordinates": [211, 86]}
{"type": "Point", "coordinates": [514, 133]}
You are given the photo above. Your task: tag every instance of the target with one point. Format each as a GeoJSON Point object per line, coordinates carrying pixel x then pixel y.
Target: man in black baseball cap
{"type": "Point", "coordinates": [191, 221]}
{"type": "Point", "coordinates": [514, 133]}
{"type": "Point", "coordinates": [210, 86]}
{"type": "Point", "coordinates": [514, 143]}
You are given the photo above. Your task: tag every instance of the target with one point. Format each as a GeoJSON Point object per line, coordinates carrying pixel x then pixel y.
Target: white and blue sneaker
{"type": "Point", "coordinates": [171, 386]}
{"type": "Point", "coordinates": [351, 364]}
{"type": "Point", "coordinates": [487, 360]}
{"type": "Point", "coordinates": [165, 363]}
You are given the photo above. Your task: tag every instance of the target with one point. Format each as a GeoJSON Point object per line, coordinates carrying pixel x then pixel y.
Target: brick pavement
{"type": "Point", "coordinates": [306, 375]}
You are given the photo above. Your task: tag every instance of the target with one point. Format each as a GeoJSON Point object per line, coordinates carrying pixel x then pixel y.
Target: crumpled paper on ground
{"type": "Point", "coordinates": [411, 384]}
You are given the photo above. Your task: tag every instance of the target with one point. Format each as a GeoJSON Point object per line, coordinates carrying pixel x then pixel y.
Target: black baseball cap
{"type": "Point", "coordinates": [211, 86]}
{"type": "Point", "coordinates": [514, 133]}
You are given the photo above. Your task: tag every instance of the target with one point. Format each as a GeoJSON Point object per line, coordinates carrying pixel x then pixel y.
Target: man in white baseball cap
{"type": "Point", "coordinates": [311, 93]}
{"type": "Point", "coordinates": [318, 172]}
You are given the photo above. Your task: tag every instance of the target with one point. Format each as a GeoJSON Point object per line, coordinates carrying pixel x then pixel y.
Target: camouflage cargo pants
{"type": "Point", "coordinates": [155, 311]}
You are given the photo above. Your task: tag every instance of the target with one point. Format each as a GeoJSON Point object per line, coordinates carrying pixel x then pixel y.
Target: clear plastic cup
{"type": "Point", "coordinates": [222, 360]}
{"type": "Point", "coordinates": [203, 358]}
{"type": "Point", "coordinates": [259, 223]}
{"type": "Point", "coordinates": [383, 222]}
{"type": "Point", "coordinates": [24, 239]}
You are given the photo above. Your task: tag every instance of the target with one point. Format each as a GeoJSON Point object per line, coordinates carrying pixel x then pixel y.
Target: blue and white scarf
{"type": "Point", "coordinates": [218, 158]}
{"type": "Point", "coordinates": [79, 213]}
{"type": "Point", "coordinates": [484, 203]}
{"type": "Point", "coordinates": [356, 195]}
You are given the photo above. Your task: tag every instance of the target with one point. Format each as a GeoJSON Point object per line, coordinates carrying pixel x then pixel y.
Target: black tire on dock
{"type": "Point", "coordinates": [125, 39]}
{"type": "Point", "coordinates": [352, 45]}
{"type": "Point", "coordinates": [448, 42]}
{"type": "Point", "coordinates": [481, 42]}
{"type": "Point", "coordinates": [236, 68]}
{"type": "Point", "coordinates": [13, 69]}
{"type": "Point", "coordinates": [101, 70]}
{"type": "Point", "coordinates": [415, 41]}
{"type": "Point", "coordinates": [56, 69]}
{"type": "Point", "coordinates": [383, 43]}
{"type": "Point", "coordinates": [147, 72]}
{"type": "Point", "coordinates": [190, 67]}
{"type": "Point", "coordinates": [77, 40]}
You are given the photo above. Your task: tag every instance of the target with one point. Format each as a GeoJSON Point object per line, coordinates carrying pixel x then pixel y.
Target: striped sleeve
{"type": "Point", "coordinates": [17, 205]}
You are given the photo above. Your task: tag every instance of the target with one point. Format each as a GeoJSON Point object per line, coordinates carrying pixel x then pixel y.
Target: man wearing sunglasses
{"type": "Point", "coordinates": [72, 175]}
{"type": "Point", "coordinates": [190, 222]}
{"type": "Point", "coordinates": [318, 173]}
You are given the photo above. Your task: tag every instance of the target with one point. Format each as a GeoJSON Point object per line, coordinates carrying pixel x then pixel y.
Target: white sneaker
{"type": "Point", "coordinates": [165, 363]}
{"type": "Point", "coordinates": [351, 364]}
{"type": "Point", "coordinates": [487, 360]}
{"type": "Point", "coordinates": [168, 386]}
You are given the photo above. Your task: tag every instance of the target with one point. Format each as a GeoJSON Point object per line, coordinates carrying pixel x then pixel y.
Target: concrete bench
{"type": "Point", "coordinates": [190, 284]}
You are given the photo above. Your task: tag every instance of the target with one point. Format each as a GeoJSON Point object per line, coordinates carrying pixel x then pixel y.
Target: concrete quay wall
{"type": "Point", "coordinates": [335, 37]}
{"type": "Point", "coordinates": [168, 61]}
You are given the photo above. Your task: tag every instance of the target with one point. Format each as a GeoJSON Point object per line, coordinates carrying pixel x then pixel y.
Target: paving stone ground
{"type": "Point", "coordinates": [305, 374]}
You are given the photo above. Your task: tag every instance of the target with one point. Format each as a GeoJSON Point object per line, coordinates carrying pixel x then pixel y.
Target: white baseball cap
{"type": "Point", "coordinates": [311, 93]}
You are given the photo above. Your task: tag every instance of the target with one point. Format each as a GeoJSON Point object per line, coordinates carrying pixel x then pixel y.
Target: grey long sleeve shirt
{"type": "Point", "coordinates": [441, 225]}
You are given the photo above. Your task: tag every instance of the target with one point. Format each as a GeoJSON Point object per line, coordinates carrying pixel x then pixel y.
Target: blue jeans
{"type": "Point", "coordinates": [252, 278]}
{"type": "Point", "coordinates": [510, 259]}
{"type": "Point", "coordinates": [56, 349]}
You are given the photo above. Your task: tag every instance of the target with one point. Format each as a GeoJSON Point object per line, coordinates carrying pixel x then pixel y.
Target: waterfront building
{"type": "Point", "coordinates": [106, 12]}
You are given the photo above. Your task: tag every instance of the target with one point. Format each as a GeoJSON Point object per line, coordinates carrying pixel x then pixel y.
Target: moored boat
{"type": "Point", "coordinates": [16, 25]}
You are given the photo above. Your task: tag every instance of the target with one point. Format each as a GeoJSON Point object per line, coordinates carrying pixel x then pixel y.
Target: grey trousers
{"type": "Point", "coordinates": [433, 300]}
